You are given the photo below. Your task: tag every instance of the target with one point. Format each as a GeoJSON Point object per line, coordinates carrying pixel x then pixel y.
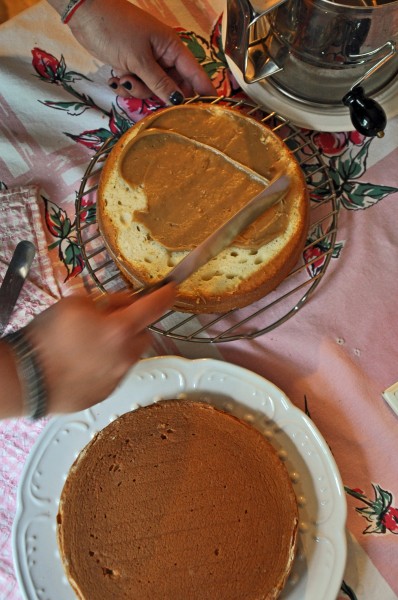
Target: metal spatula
{"type": "Point", "coordinates": [224, 235]}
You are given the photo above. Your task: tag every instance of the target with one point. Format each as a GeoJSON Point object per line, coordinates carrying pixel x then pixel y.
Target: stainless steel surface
{"type": "Point", "coordinates": [14, 279]}
{"type": "Point", "coordinates": [315, 50]}
{"type": "Point", "coordinates": [241, 45]}
{"type": "Point", "coordinates": [275, 308]}
{"type": "Point", "coordinates": [390, 49]}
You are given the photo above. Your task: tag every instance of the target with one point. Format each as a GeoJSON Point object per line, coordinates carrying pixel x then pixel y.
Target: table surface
{"type": "Point", "coordinates": [334, 358]}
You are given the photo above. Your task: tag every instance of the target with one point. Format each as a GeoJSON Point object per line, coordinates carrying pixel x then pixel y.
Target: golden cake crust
{"type": "Point", "coordinates": [239, 275]}
{"type": "Point", "coordinates": [178, 500]}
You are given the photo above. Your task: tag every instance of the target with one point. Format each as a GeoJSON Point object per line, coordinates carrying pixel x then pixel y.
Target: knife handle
{"type": "Point", "coordinates": [14, 278]}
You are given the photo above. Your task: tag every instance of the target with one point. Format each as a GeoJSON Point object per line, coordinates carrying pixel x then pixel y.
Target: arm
{"type": "Point", "coordinates": [147, 56]}
{"type": "Point", "coordinates": [83, 349]}
{"type": "Point", "coordinates": [11, 401]}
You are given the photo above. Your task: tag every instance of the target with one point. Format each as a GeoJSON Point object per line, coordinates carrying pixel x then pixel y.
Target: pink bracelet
{"type": "Point", "coordinates": [70, 10]}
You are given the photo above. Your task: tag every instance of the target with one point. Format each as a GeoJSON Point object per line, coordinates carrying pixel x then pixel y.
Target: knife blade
{"type": "Point", "coordinates": [223, 236]}
{"type": "Point", "coordinates": [14, 279]}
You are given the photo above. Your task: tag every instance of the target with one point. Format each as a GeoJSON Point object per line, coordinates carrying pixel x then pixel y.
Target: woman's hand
{"type": "Point", "coordinates": [85, 348]}
{"type": "Point", "coordinates": [147, 56]}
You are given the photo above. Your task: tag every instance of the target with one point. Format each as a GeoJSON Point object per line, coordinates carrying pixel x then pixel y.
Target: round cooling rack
{"type": "Point", "coordinates": [272, 310]}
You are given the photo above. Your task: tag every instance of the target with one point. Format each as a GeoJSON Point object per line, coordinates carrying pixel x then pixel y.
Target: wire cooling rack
{"type": "Point", "coordinates": [275, 308]}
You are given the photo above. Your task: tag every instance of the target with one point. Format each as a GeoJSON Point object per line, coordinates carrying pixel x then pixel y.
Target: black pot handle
{"type": "Point", "coordinates": [367, 116]}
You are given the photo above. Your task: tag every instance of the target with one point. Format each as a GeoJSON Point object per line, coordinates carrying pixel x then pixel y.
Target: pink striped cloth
{"type": "Point", "coordinates": [339, 351]}
{"type": "Point", "coordinates": [20, 219]}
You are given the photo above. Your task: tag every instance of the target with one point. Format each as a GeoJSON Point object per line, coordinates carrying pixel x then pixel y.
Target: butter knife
{"type": "Point", "coordinates": [223, 236]}
{"type": "Point", "coordinates": [14, 279]}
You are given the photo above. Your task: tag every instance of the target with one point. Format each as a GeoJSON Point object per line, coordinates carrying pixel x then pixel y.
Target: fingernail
{"type": "Point", "coordinates": [113, 85]}
{"type": "Point", "coordinates": [176, 98]}
{"type": "Point", "coordinates": [127, 85]}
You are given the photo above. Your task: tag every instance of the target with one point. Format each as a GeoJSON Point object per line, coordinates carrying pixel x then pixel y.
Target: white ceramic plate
{"type": "Point", "coordinates": [319, 565]}
{"type": "Point", "coordinates": [317, 118]}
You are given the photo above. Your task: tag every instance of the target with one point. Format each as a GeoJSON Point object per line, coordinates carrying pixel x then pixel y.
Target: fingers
{"type": "Point", "coordinates": [177, 76]}
{"type": "Point", "coordinates": [147, 309]}
{"type": "Point", "coordinates": [161, 84]}
{"type": "Point", "coordinates": [108, 303]}
{"type": "Point", "coordinates": [116, 301]}
{"type": "Point", "coordinates": [128, 325]}
{"type": "Point", "coordinates": [191, 72]}
{"type": "Point", "coordinates": [133, 349]}
{"type": "Point", "coordinates": [128, 86]}
{"type": "Point", "coordinates": [174, 74]}
{"type": "Point", "coordinates": [133, 86]}
{"type": "Point", "coordinates": [154, 83]}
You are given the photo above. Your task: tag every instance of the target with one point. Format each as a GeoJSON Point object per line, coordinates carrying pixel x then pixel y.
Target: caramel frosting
{"type": "Point", "coordinates": [196, 180]}
{"type": "Point", "coordinates": [241, 139]}
{"type": "Point", "coordinates": [178, 500]}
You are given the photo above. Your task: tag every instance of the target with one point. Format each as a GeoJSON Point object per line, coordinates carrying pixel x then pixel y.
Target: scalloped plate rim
{"type": "Point", "coordinates": [188, 367]}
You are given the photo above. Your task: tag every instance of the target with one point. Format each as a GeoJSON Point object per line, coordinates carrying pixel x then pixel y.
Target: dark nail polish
{"type": "Point", "coordinates": [127, 85]}
{"type": "Point", "coordinates": [176, 98]}
{"type": "Point", "coordinates": [113, 85]}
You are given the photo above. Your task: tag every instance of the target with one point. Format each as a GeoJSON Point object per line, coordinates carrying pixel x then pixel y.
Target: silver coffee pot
{"type": "Point", "coordinates": [319, 52]}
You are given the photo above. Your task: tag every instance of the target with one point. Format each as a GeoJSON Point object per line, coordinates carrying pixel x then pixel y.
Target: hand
{"type": "Point", "coordinates": [85, 348]}
{"type": "Point", "coordinates": [147, 57]}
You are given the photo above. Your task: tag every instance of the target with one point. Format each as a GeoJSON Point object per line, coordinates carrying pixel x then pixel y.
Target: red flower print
{"type": "Point", "coordinates": [335, 143]}
{"type": "Point", "coordinates": [183, 34]}
{"type": "Point", "coordinates": [76, 269]}
{"type": "Point", "coordinates": [57, 221]}
{"type": "Point", "coordinates": [136, 109]}
{"type": "Point", "coordinates": [63, 229]}
{"type": "Point", "coordinates": [119, 123]}
{"type": "Point", "coordinates": [215, 39]}
{"type": "Point", "coordinates": [390, 520]}
{"type": "Point", "coordinates": [114, 125]}
{"type": "Point", "coordinates": [314, 258]}
{"type": "Point", "coordinates": [221, 82]}
{"type": "Point", "coordinates": [356, 138]}
{"type": "Point", "coordinates": [47, 66]}
{"type": "Point", "coordinates": [92, 139]}
{"type": "Point", "coordinates": [87, 215]}
{"type": "Point", "coordinates": [379, 512]}
{"type": "Point", "coordinates": [52, 70]}
{"type": "Point", "coordinates": [330, 143]}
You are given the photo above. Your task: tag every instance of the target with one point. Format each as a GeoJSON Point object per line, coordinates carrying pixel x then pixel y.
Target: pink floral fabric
{"type": "Point", "coordinates": [333, 359]}
{"type": "Point", "coordinates": [20, 219]}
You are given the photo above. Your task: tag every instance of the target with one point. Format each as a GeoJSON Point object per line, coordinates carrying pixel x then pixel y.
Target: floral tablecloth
{"type": "Point", "coordinates": [333, 359]}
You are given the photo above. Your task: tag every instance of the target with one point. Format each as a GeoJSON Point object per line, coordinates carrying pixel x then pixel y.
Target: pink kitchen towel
{"type": "Point", "coordinates": [20, 219]}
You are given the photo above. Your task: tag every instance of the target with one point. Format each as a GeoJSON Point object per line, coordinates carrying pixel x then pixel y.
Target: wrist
{"type": "Point", "coordinates": [67, 8]}
{"type": "Point", "coordinates": [11, 400]}
{"type": "Point", "coordinates": [32, 389]}
{"type": "Point", "coordinates": [70, 9]}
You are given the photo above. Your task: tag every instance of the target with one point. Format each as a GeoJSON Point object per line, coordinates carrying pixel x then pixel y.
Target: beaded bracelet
{"type": "Point", "coordinates": [29, 373]}
{"type": "Point", "coordinates": [70, 10]}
